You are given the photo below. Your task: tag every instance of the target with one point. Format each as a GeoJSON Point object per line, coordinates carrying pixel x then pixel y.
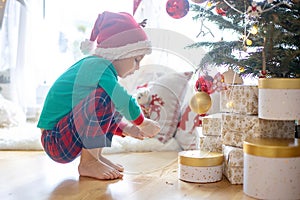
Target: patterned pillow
{"type": "Point", "coordinates": [166, 96]}
{"type": "Point", "coordinates": [189, 129]}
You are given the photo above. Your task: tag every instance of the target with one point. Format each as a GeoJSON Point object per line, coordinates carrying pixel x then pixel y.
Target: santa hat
{"type": "Point", "coordinates": [118, 36]}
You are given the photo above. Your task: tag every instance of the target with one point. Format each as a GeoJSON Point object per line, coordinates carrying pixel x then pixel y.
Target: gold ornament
{"type": "Point", "coordinates": [200, 103]}
{"type": "Point", "coordinates": [241, 69]}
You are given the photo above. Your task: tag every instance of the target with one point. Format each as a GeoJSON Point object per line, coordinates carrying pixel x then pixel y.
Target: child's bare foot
{"type": "Point", "coordinates": [91, 166]}
{"type": "Point", "coordinates": [99, 170]}
{"type": "Point", "coordinates": [118, 167]}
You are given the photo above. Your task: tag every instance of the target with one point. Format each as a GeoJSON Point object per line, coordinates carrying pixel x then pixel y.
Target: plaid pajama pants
{"type": "Point", "coordinates": [91, 124]}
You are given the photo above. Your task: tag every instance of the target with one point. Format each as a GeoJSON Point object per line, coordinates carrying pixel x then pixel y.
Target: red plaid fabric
{"type": "Point", "coordinates": [91, 124]}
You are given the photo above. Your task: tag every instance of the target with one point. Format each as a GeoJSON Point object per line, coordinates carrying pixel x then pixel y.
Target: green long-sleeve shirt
{"type": "Point", "coordinates": [78, 82]}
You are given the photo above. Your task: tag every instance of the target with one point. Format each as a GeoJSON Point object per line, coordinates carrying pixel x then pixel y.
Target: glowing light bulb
{"type": "Point", "coordinates": [254, 30]}
{"type": "Point", "coordinates": [230, 104]}
{"type": "Point", "coordinates": [241, 69]}
{"type": "Point", "coordinates": [249, 42]}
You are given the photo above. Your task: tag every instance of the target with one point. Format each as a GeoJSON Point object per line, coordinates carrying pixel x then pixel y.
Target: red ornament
{"type": "Point", "coordinates": [177, 8]}
{"type": "Point", "coordinates": [221, 11]}
{"type": "Point", "coordinates": [209, 84]}
{"type": "Point", "coordinates": [204, 84]}
{"type": "Point", "coordinates": [263, 74]}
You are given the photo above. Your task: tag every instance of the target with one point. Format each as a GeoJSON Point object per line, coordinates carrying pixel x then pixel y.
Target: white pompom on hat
{"type": "Point", "coordinates": [118, 36]}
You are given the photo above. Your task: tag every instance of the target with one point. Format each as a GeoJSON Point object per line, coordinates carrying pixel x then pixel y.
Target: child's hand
{"type": "Point", "coordinates": [149, 127]}
{"type": "Point", "coordinates": [133, 131]}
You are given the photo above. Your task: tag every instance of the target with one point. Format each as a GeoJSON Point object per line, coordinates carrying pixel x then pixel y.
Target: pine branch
{"type": "Point", "coordinates": [203, 14]}
{"type": "Point", "coordinates": [279, 24]}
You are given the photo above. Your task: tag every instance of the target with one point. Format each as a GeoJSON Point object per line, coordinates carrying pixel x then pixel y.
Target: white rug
{"type": "Point", "coordinates": [23, 137]}
{"type": "Point", "coordinates": [27, 137]}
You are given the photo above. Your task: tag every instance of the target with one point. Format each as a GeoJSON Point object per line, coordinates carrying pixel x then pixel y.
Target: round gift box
{"type": "Point", "coordinates": [200, 166]}
{"type": "Point", "coordinates": [279, 98]}
{"type": "Point", "coordinates": [272, 168]}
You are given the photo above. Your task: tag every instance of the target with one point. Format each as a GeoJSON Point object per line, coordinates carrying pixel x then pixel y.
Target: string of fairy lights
{"type": "Point", "coordinates": [251, 13]}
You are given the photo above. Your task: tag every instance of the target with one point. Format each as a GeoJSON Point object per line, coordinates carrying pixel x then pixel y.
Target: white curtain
{"type": "Point", "coordinates": [9, 34]}
{"type": "Point", "coordinates": [18, 49]}
{"type": "Point", "coordinates": [9, 44]}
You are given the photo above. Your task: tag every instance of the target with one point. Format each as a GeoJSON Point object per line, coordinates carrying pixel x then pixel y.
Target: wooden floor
{"type": "Point", "coordinates": [151, 175]}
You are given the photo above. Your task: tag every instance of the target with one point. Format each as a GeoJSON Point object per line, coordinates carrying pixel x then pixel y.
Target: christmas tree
{"type": "Point", "coordinates": [268, 36]}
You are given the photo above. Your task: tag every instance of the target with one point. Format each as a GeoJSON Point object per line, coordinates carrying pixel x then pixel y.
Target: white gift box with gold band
{"type": "Point", "coordinates": [200, 166]}
{"type": "Point", "coordinates": [279, 98]}
{"type": "Point", "coordinates": [272, 168]}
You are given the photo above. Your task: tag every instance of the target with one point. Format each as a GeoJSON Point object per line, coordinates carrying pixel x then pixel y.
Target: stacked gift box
{"type": "Point", "coordinates": [226, 131]}
{"type": "Point", "coordinates": [211, 140]}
